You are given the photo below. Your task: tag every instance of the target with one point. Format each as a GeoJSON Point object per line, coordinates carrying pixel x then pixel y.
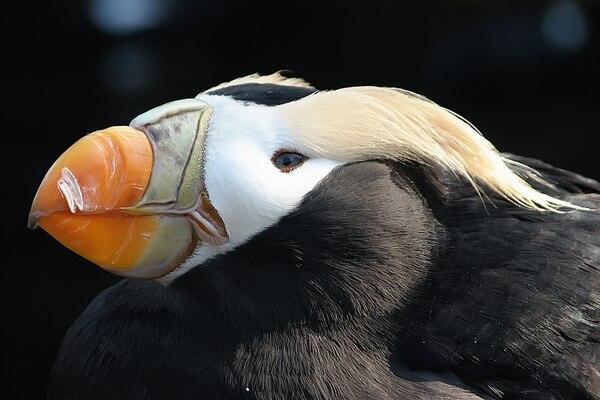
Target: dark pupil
{"type": "Point", "coordinates": [288, 160]}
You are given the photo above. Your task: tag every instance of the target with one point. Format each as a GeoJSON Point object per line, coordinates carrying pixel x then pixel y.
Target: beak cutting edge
{"type": "Point", "coordinates": [132, 198]}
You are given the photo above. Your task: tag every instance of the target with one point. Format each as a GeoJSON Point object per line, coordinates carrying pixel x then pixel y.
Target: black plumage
{"type": "Point", "coordinates": [266, 94]}
{"type": "Point", "coordinates": [389, 281]}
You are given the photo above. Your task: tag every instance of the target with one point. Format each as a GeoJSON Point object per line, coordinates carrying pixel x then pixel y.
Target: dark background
{"type": "Point", "coordinates": [526, 73]}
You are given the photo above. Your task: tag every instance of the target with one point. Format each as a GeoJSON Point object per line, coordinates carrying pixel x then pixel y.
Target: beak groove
{"type": "Point", "coordinates": [70, 190]}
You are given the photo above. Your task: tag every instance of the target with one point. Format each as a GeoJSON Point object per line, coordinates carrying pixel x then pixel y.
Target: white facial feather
{"type": "Point", "coordinates": [247, 190]}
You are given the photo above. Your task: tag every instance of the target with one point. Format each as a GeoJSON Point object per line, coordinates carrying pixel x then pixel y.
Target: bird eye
{"type": "Point", "coordinates": [287, 161]}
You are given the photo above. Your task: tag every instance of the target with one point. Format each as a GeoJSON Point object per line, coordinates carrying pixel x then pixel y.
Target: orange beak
{"type": "Point", "coordinates": [131, 199]}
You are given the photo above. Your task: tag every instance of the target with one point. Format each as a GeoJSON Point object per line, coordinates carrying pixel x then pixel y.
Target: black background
{"type": "Point", "coordinates": [525, 73]}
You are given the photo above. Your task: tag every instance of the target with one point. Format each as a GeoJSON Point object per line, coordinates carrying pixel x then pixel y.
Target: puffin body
{"type": "Point", "coordinates": [331, 269]}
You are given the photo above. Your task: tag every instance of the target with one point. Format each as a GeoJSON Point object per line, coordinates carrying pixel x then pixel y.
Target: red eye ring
{"type": "Point", "coordinates": [288, 160]}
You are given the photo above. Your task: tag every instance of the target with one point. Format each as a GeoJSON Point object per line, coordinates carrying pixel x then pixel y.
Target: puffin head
{"type": "Point", "coordinates": [195, 178]}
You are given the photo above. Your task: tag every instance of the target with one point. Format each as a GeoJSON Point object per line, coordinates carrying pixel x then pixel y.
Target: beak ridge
{"type": "Point", "coordinates": [177, 131]}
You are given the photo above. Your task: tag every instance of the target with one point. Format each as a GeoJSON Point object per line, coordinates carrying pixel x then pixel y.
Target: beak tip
{"type": "Point", "coordinates": [32, 221]}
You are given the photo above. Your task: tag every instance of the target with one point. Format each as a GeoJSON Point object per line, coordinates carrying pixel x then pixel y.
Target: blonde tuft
{"type": "Point", "coordinates": [362, 123]}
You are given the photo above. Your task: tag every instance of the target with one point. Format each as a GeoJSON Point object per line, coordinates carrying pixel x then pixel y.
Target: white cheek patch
{"type": "Point", "coordinates": [247, 190]}
{"type": "Point", "coordinates": [256, 194]}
